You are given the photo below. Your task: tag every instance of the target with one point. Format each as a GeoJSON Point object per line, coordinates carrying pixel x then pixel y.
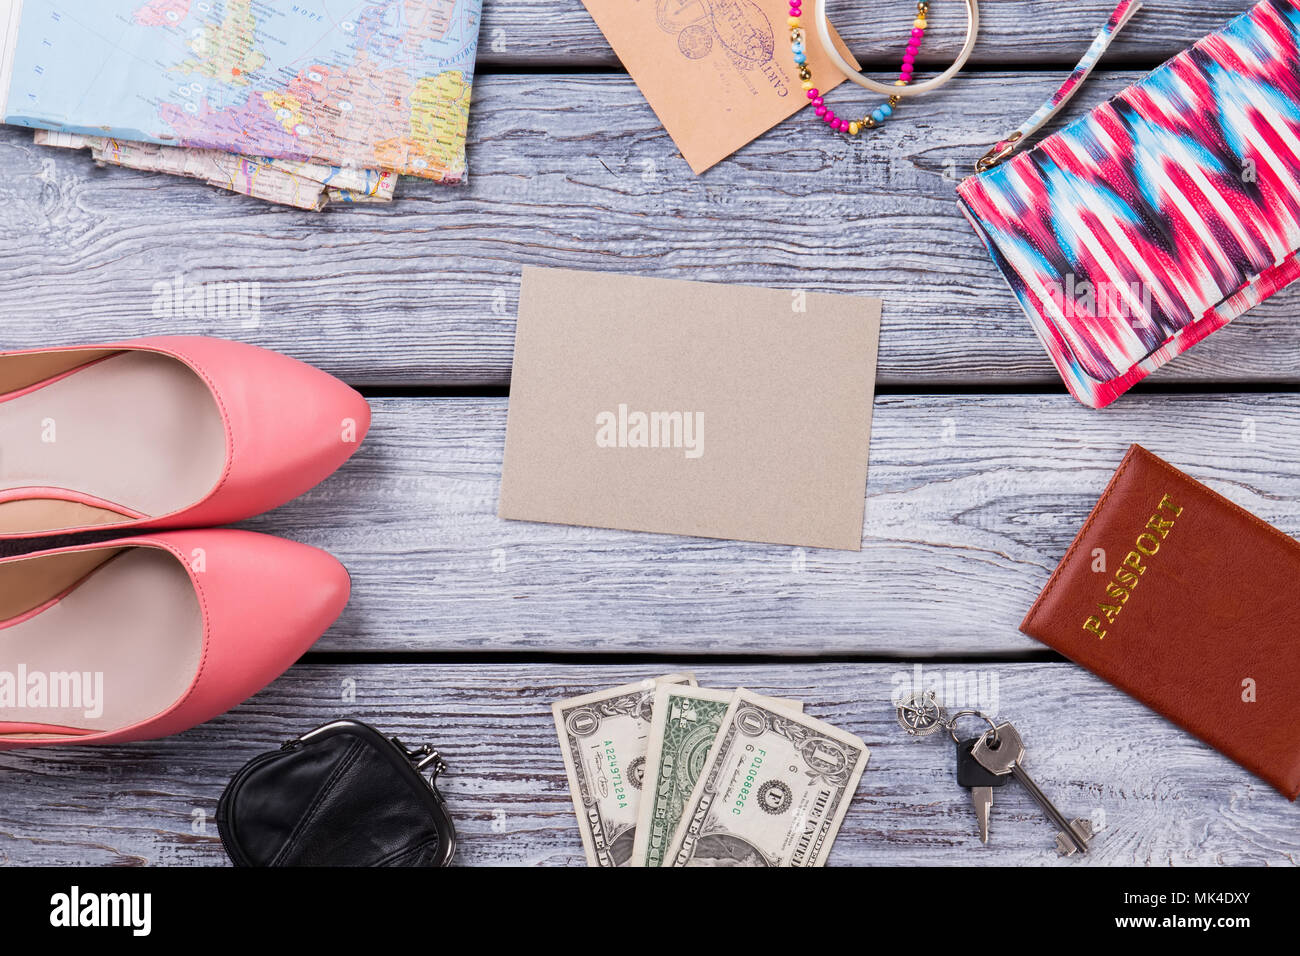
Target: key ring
{"type": "Point", "coordinates": [915, 89]}
{"type": "Point", "coordinates": [951, 724]}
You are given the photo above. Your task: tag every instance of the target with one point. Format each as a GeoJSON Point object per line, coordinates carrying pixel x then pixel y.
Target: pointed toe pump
{"type": "Point", "coordinates": [165, 432]}
{"type": "Point", "coordinates": [148, 636]}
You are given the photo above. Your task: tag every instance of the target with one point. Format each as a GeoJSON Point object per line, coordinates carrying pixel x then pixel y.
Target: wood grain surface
{"type": "Point", "coordinates": [1161, 798]}
{"type": "Point", "coordinates": [570, 171]}
{"type": "Point", "coordinates": [982, 468]}
{"type": "Point", "coordinates": [561, 36]}
{"type": "Point", "coordinates": [970, 503]}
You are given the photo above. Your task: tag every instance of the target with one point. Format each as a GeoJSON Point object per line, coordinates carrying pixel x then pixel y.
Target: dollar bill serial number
{"type": "Point", "coordinates": [616, 775]}
{"type": "Point", "coordinates": [751, 776]}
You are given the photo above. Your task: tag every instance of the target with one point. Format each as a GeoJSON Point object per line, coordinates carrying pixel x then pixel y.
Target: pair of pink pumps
{"type": "Point", "coordinates": [149, 635]}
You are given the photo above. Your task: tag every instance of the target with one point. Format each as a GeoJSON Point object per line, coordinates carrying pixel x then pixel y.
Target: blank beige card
{"type": "Point", "coordinates": [691, 408]}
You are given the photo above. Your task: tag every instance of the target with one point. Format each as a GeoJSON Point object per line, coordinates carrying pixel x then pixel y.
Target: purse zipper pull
{"type": "Point", "coordinates": [1004, 148]}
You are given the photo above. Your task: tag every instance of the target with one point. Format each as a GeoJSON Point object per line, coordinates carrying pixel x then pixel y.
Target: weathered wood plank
{"type": "Point", "coordinates": [560, 36]}
{"type": "Point", "coordinates": [971, 501]}
{"type": "Point", "coordinates": [567, 171]}
{"type": "Point", "coordinates": [1164, 798]}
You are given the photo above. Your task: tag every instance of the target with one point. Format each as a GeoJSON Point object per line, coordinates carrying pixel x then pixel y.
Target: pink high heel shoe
{"type": "Point", "coordinates": [165, 432]}
{"type": "Point", "coordinates": [147, 636]}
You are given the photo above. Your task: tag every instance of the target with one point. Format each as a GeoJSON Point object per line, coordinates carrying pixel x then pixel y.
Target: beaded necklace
{"type": "Point", "coordinates": [882, 112]}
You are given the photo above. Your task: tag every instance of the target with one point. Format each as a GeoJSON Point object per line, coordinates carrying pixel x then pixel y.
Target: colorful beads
{"type": "Point", "coordinates": [881, 113]}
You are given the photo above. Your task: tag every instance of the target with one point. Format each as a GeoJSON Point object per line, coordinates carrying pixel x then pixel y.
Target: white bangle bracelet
{"type": "Point", "coordinates": [972, 30]}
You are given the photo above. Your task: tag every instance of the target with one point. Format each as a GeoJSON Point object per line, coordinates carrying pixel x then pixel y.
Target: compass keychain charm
{"type": "Point", "coordinates": [921, 714]}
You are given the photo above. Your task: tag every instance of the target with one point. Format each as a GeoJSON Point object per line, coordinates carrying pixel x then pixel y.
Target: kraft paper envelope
{"type": "Point", "coordinates": [691, 408]}
{"type": "Point", "coordinates": [718, 73]}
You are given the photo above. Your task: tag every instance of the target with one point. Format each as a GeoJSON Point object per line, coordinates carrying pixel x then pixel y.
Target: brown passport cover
{"type": "Point", "coordinates": [1198, 604]}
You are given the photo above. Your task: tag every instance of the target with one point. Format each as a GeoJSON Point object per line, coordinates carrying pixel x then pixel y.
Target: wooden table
{"type": "Point", "coordinates": [464, 628]}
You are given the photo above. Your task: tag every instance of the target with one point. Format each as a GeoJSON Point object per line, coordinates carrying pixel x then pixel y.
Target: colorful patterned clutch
{"type": "Point", "coordinates": [1163, 214]}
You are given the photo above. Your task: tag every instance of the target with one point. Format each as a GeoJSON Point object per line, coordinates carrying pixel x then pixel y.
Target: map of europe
{"type": "Point", "coordinates": [383, 84]}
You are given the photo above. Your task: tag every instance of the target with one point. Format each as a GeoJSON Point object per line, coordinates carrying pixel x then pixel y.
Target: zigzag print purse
{"type": "Point", "coordinates": [1163, 214]}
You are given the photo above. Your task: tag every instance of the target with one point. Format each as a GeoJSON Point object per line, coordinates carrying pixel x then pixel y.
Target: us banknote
{"type": "Point", "coordinates": [773, 793]}
{"type": "Point", "coordinates": [684, 723]}
{"type": "Point", "coordinates": [603, 736]}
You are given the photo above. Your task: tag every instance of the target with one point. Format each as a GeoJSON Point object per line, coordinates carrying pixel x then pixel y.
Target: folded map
{"type": "Point", "coordinates": [378, 86]}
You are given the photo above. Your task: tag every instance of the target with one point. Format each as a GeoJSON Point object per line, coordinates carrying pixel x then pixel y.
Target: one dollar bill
{"type": "Point", "coordinates": [774, 792]}
{"type": "Point", "coordinates": [685, 721]}
{"type": "Point", "coordinates": [603, 736]}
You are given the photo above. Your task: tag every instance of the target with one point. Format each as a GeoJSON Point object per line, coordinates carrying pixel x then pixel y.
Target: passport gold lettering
{"type": "Point", "coordinates": [1151, 546]}
{"type": "Point", "coordinates": [1093, 625]}
{"type": "Point", "coordinates": [1129, 574]}
{"type": "Point", "coordinates": [1160, 524]}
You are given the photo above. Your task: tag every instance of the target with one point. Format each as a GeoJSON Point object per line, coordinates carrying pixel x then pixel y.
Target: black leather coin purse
{"type": "Point", "coordinates": [342, 795]}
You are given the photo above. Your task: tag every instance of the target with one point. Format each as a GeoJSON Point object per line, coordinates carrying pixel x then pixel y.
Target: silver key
{"type": "Point", "coordinates": [981, 799]}
{"type": "Point", "coordinates": [1081, 829]}
{"type": "Point", "coordinates": [1005, 757]}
